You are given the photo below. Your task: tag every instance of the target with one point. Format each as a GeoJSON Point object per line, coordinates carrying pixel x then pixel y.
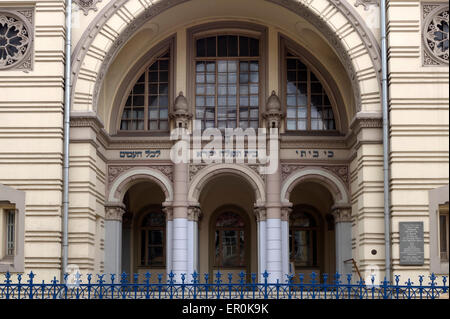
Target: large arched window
{"type": "Point", "coordinates": [227, 81]}
{"type": "Point", "coordinates": [147, 105]}
{"type": "Point", "coordinates": [308, 105]}
{"type": "Point", "coordinates": [229, 242]}
{"type": "Point", "coordinates": [303, 239]}
{"type": "Point", "coordinates": [152, 239]}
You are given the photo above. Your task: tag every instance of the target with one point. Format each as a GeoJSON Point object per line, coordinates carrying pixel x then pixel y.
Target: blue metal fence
{"type": "Point", "coordinates": [221, 287]}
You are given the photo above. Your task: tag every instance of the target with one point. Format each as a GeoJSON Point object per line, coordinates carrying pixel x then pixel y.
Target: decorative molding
{"type": "Point", "coordinates": [361, 121]}
{"type": "Point", "coordinates": [16, 42]}
{"type": "Point", "coordinates": [87, 5]}
{"type": "Point", "coordinates": [435, 18]}
{"type": "Point", "coordinates": [287, 169]}
{"type": "Point", "coordinates": [366, 3]}
{"type": "Point", "coordinates": [194, 169]}
{"type": "Point", "coordinates": [115, 170]}
{"type": "Point", "coordinates": [114, 211]}
{"type": "Point", "coordinates": [86, 120]}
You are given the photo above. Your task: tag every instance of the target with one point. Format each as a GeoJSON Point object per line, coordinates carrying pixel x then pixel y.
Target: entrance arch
{"type": "Point", "coordinates": [329, 200]}
{"type": "Point", "coordinates": [226, 190]}
{"type": "Point", "coordinates": [128, 201]}
{"type": "Point", "coordinates": [204, 176]}
{"type": "Point", "coordinates": [109, 31]}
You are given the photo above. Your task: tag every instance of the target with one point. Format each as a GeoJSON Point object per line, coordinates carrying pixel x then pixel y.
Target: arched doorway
{"type": "Point", "coordinates": [311, 230]}
{"type": "Point", "coordinates": [227, 227]}
{"type": "Point", "coordinates": [144, 244]}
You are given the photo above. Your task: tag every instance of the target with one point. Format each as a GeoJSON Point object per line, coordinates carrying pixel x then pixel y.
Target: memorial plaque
{"type": "Point", "coordinates": [411, 243]}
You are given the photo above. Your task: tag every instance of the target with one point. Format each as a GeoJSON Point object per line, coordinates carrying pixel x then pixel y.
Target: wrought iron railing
{"type": "Point", "coordinates": [221, 287]}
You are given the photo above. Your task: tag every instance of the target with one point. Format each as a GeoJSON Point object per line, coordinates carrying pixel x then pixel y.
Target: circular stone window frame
{"type": "Point", "coordinates": [29, 27]}
{"type": "Point", "coordinates": [426, 23]}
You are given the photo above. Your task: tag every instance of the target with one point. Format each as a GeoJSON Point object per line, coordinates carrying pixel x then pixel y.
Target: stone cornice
{"type": "Point", "coordinates": [364, 120]}
{"type": "Point", "coordinates": [88, 119]}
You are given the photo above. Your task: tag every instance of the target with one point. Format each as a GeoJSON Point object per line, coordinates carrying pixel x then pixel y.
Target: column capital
{"type": "Point", "coordinates": [342, 213]}
{"type": "Point", "coordinates": [168, 210]}
{"type": "Point", "coordinates": [285, 213]}
{"type": "Point", "coordinates": [114, 211]}
{"type": "Point", "coordinates": [260, 213]}
{"type": "Point", "coordinates": [194, 213]}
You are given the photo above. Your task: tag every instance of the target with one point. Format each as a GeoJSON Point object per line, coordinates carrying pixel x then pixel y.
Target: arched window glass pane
{"type": "Point", "coordinates": [152, 232]}
{"type": "Point", "coordinates": [229, 219]}
{"type": "Point", "coordinates": [308, 107]}
{"type": "Point", "coordinates": [301, 219]}
{"type": "Point", "coordinates": [229, 241]}
{"type": "Point", "coordinates": [156, 219]}
{"type": "Point", "coordinates": [147, 106]}
{"type": "Point", "coordinates": [303, 239]}
{"type": "Point", "coordinates": [227, 83]}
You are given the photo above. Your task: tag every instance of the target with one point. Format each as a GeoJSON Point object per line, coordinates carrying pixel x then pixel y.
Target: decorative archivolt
{"type": "Point", "coordinates": [108, 42]}
{"type": "Point", "coordinates": [204, 175]}
{"type": "Point", "coordinates": [129, 177]}
{"type": "Point", "coordinates": [329, 180]}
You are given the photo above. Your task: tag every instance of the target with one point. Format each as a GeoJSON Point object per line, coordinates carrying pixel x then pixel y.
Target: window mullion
{"type": "Point", "coordinates": [238, 92]}
{"type": "Point", "coordinates": [308, 90]}
{"type": "Point", "coordinates": [146, 98]}
{"type": "Point", "coordinates": [216, 99]}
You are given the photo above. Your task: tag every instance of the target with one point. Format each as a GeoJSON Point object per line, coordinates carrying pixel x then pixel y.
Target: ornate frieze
{"type": "Point", "coordinates": [87, 5]}
{"type": "Point", "coordinates": [435, 34]}
{"type": "Point", "coordinates": [194, 169]}
{"type": "Point", "coordinates": [16, 39]}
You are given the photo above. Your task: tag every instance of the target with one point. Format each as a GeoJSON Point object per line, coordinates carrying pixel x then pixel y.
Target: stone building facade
{"type": "Point", "coordinates": [141, 68]}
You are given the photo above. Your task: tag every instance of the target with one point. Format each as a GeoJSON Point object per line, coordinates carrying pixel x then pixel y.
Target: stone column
{"type": "Point", "coordinates": [260, 214]}
{"type": "Point", "coordinates": [168, 210]}
{"type": "Point", "coordinates": [180, 119]}
{"type": "Point", "coordinates": [285, 213]}
{"type": "Point", "coordinates": [113, 237]}
{"type": "Point", "coordinates": [274, 264]}
{"type": "Point", "coordinates": [194, 213]}
{"type": "Point", "coordinates": [180, 221]}
{"type": "Point", "coordinates": [343, 232]}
